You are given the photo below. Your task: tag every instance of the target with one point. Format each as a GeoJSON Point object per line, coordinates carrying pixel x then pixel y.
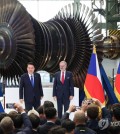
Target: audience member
{"type": "Point", "coordinates": [48, 104]}
{"type": "Point", "coordinates": [50, 114]}
{"type": "Point", "coordinates": [2, 115]}
{"type": "Point", "coordinates": [57, 130]}
{"type": "Point", "coordinates": [35, 122]}
{"type": "Point", "coordinates": [80, 123]}
{"type": "Point", "coordinates": [17, 120]}
{"type": "Point", "coordinates": [69, 126]}
{"type": "Point", "coordinates": [7, 124]}
{"type": "Point", "coordinates": [100, 126]}
{"type": "Point", "coordinates": [85, 120]}
{"type": "Point", "coordinates": [115, 124]}
{"type": "Point", "coordinates": [41, 115]}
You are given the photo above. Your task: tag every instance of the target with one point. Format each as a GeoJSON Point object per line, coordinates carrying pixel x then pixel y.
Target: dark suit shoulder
{"type": "Point", "coordinates": [37, 74]}
{"type": "Point", "coordinates": [84, 129]}
{"type": "Point", "coordinates": [57, 73]}
{"type": "Point", "coordinates": [24, 75]}
{"type": "Point", "coordinates": [69, 72]}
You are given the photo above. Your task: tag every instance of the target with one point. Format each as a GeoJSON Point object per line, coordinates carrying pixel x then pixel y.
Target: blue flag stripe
{"type": "Point", "coordinates": [92, 66]}
{"type": "Point", "coordinates": [118, 72]}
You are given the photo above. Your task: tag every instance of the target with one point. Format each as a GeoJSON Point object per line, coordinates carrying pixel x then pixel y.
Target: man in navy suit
{"type": "Point", "coordinates": [31, 88]}
{"type": "Point", "coordinates": [63, 89]}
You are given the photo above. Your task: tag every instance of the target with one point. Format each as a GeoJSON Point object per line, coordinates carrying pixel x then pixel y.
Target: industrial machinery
{"type": "Point", "coordinates": [67, 36]}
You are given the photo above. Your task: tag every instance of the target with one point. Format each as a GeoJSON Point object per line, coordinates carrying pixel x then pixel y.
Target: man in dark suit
{"type": "Point", "coordinates": [63, 89]}
{"type": "Point", "coordinates": [50, 114]}
{"type": "Point", "coordinates": [30, 86]}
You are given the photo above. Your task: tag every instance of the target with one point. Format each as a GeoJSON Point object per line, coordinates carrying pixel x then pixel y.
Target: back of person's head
{"type": "Point", "coordinates": [2, 115]}
{"type": "Point", "coordinates": [1, 131]}
{"type": "Point", "coordinates": [57, 130]}
{"type": "Point", "coordinates": [7, 125]}
{"type": "Point", "coordinates": [69, 126]}
{"type": "Point", "coordinates": [13, 114]}
{"type": "Point", "coordinates": [50, 113]}
{"type": "Point", "coordinates": [114, 130]}
{"type": "Point", "coordinates": [92, 111]}
{"type": "Point", "coordinates": [40, 109]}
{"type": "Point", "coordinates": [79, 117]}
{"type": "Point", "coordinates": [17, 118]}
{"type": "Point", "coordinates": [18, 121]}
{"type": "Point", "coordinates": [33, 111]}
{"type": "Point", "coordinates": [47, 104]}
{"type": "Point", "coordinates": [116, 113]}
{"type": "Point", "coordinates": [35, 120]}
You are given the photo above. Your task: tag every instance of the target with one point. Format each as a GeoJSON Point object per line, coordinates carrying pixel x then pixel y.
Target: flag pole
{"type": "Point", "coordinates": [94, 48]}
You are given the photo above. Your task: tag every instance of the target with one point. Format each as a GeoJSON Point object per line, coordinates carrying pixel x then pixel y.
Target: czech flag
{"type": "Point", "coordinates": [93, 85]}
{"type": "Point", "coordinates": [117, 84]}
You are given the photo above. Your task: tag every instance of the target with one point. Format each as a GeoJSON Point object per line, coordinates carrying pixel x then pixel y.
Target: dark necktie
{"type": "Point", "coordinates": [62, 78]}
{"type": "Point", "coordinates": [32, 81]}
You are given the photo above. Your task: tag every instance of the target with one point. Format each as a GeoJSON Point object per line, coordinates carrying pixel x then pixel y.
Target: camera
{"type": "Point", "coordinates": [89, 101]}
{"type": "Point", "coordinates": [10, 105]}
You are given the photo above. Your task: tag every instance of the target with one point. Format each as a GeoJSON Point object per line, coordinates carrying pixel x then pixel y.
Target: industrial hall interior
{"type": "Point", "coordinates": [64, 53]}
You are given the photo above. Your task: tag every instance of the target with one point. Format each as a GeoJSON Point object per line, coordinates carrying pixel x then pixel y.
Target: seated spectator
{"type": "Point", "coordinates": [50, 114]}
{"type": "Point", "coordinates": [57, 130]}
{"type": "Point", "coordinates": [69, 126]}
{"type": "Point", "coordinates": [80, 123]}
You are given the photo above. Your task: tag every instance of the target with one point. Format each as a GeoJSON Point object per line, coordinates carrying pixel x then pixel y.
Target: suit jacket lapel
{"type": "Point", "coordinates": [35, 76]}
{"type": "Point", "coordinates": [65, 76]}
{"type": "Point", "coordinates": [59, 76]}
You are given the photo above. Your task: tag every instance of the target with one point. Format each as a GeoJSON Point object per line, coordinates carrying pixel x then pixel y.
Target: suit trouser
{"type": "Point", "coordinates": [60, 103]}
{"type": "Point", "coordinates": [33, 103]}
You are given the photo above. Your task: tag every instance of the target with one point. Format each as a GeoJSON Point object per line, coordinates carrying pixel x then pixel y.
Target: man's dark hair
{"type": "Point", "coordinates": [92, 111]}
{"type": "Point", "coordinates": [34, 120]}
{"type": "Point", "coordinates": [17, 119]}
{"type": "Point", "coordinates": [40, 110]}
{"type": "Point", "coordinates": [57, 130]}
{"type": "Point", "coordinates": [68, 125]}
{"type": "Point", "coordinates": [47, 104]}
{"type": "Point", "coordinates": [50, 112]}
{"type": "Point", "coordinates": [30, 63]}
{"type": "Point", "coordinates": [2, 115]}
{"type": "Point", "coordinates": [116, 113]}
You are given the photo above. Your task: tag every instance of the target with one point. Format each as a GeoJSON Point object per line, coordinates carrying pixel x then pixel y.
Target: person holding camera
{"type": "Point", "coordinates": [7, 125]}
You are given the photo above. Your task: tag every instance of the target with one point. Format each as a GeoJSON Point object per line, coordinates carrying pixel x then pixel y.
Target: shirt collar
{"type": "Point", "coordinates": [31, 75]}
